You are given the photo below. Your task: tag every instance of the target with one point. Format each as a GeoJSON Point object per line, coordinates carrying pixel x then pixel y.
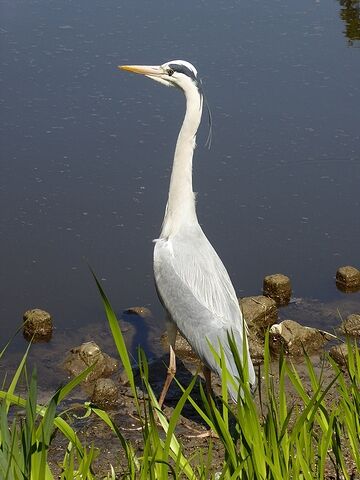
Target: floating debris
{"type": "Point", "coordinates": [143, 312]}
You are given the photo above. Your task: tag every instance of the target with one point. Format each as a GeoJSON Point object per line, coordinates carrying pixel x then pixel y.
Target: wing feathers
{"type": "Point", "coordinates": [197, 292]}
{"type": "Point", "coordinates": [196, 263]}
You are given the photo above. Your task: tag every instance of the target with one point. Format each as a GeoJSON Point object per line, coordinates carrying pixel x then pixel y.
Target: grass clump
{"type": "Point", "coordinates": [25, 440]}
{"type": "Point", "coordinates": [310, 438]}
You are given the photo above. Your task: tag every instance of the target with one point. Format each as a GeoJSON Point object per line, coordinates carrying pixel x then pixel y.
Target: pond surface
{"type": "Point", "coordinates": [86, 150]}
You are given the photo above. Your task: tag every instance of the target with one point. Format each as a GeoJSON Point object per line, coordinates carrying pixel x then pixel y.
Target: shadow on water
{"type": "Point", "coordinates": [350, 14]}
{"type": "Point", "coordinates": [145, 333]}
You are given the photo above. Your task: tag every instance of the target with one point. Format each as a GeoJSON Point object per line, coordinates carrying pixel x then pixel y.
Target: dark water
{"type": "Point", "coordinates": [86, 149]}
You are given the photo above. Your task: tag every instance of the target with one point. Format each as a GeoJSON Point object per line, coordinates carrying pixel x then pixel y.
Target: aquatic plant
{"type": "Point", "coordinates": [304, 440]}
{"type": "Point", "coordinates": [311, 438]}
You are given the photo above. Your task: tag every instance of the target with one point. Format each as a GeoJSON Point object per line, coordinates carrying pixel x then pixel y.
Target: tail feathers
{"type": "Point", "coordinates": [230, 362]}
{"type": "Point", "coordinates": [231, 366]}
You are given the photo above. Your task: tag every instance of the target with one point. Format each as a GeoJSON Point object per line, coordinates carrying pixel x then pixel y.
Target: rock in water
{"type": "Point", "coordinates": [38, 325]}
{"type": "Point", "coordinates": [105, 393]}
{"type": "Point", "coordinates": [348, 279]}
{"type": "Point", "coordinates": [79, 358]}
{"type": "Point", "coordinates": [259, 312]}
{"type": "Point", "coordinates": [295, 338]}
{"type": "Point", "coordinates": [340, 353]}
{"type": "Point", "coordinates": [278, 287]}
{"type": "Point", "coordinates": [351, 325]}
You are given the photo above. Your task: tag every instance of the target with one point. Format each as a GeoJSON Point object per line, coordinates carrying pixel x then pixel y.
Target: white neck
{"type": "Point", "coordinates": [180, 208]}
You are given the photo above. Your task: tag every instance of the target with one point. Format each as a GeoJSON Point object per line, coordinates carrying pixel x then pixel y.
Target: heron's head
{"type": "Point", "coordinates": [176, 73]}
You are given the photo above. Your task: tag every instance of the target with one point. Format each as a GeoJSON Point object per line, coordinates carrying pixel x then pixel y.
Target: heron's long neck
{"type": "Point", "coordinates": [180, 208]}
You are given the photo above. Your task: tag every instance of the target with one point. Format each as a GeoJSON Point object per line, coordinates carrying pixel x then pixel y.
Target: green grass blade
{"type": "Point", "coordinates": [174, 444]}
{"type": "Point", "coordinates": [118, 337]}
{"type": "Point", "coordinates": [17, 374]}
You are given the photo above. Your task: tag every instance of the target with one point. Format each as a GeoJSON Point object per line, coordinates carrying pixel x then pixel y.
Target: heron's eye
{"type": "Point", "coordinates": [170, 72]}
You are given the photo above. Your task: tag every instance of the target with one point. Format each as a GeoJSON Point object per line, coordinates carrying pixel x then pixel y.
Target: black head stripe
{"type": "Point", "coordinates": [177, 67]}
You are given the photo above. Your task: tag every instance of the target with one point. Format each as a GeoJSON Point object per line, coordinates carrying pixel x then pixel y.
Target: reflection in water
{"type": "Point", "coordinates": [350, 13]}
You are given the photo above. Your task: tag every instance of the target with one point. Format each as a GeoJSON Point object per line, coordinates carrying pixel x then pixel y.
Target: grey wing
{"type": "Point", "coordinates": [197, 292]}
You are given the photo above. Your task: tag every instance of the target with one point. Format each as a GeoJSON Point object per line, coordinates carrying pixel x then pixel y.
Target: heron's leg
{"type": "Point", "coordinates": [171, 331]}
{"type": "Point", "coordinates": [170, 375]}
{"type": "Point", "coordinates": [207, 375]}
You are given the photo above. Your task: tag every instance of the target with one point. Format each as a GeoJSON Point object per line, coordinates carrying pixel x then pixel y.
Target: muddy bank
{"type": "Point", "coordinates": [124, 415]}
{"type": "Point", "coordinates": [49, 360]}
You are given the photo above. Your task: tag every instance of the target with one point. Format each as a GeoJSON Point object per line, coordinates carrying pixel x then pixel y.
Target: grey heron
{"type": "Point", "coordinates": [191, 280]}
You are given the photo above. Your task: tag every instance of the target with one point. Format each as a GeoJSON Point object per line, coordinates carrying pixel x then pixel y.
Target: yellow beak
{"type": "Point", "coordinates": [142, 69]}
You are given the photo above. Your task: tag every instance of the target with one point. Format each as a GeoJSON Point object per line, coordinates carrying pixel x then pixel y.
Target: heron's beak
{"type": "Point", "coordinates": [142, 69]}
